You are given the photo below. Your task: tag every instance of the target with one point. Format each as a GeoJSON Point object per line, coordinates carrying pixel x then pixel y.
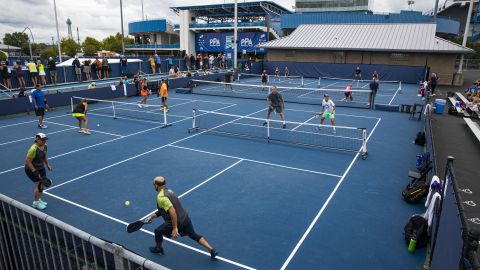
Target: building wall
{"type": "Point", "coordinates": [331, 5]}
{"type": "Point", "coordinates": [442, 64]}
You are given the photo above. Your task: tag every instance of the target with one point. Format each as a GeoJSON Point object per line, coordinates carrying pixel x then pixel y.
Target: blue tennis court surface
{"type": "Point", "coordinates": [261, 205]}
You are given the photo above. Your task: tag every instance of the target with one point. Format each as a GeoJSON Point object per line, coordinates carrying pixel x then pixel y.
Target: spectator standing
{"type": "Point", "coordinates": [98, 67]}
{"type": "Point", "coordinates": [124, 65]}
{"type": "Point", "coordinates": [192, 62]}
{"type": "Point", "coordinates": [219, 61]}
{"type": "Point", "coordinates": [52, 67]}
{"type": "Point", "coordinates": [32, 68]}
{"type": "Point", "coordinates": [158, 63]}
{"type": "Point", "coordinates": [86, 69]}
{"type": "Point", "coordinates": [210, 61]}
{"type": "Point", "coordinates": [7, 82]}
{"type": "Point", "coordinates": [433, 83]}
{"type": "Point", "coordinates": [205, 62]}
{"type": "Point", "coordinates": [105, 67]}
{"type": "Point", "coordinates": [224, 61]}
{"type": "Point", "coordinates": [170, 61]}
{"type": "Point", "coordinates": [19, 73]}
{"type": "Point", "coordinates": [199, 61]}
{"type": "Point", "coordinates": [41, 72]}
{"type": "Point", "coordinates": [151, 61]}
{"type": "Point", "coordinates": [78, 68]}
{"type": "Point", "coordinates": [186, 60]}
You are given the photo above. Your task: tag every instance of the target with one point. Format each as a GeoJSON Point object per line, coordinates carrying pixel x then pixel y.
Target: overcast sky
{"type": "Point", "coordinates": [100, 18]}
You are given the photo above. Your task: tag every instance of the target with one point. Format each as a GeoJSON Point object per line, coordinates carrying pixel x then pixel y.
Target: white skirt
{"type": "Point", "coordinates": [42, 73]}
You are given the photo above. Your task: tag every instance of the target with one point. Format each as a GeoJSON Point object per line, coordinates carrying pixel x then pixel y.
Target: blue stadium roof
{"type": "Point", "coordinates": [292, 21]}
{"type": "Point", "coordinates": [206, 10]}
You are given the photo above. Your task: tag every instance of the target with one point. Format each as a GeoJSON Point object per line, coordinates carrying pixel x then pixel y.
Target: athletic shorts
{"type": "Point", "coordinates": [40, 112]}
{"type": "Point", "coordinates": [166, 230]}
{"type": "Point", "coordinates": [278, 109]}
{"type": "Point", "coordinates": [105, 68]}
{"type": "Point", "coordinates": [53, 73]}
{"type": "Point", "coordinates": [158, 65]}
{"type": "Point", "coordinates": [86, 69]}
{"type": "Point", "coordinates": [328, 114]}
{"type": "Point", "coordinates": [33, 74]}
{"type": "Point", "coordinates": [78, 115]}
{"type": "Point", "coordinates": [164, 99]}
{"type": "Point", "coordinates": [32, 176]}
{"type": "Point", "coordinates": [78, 71]}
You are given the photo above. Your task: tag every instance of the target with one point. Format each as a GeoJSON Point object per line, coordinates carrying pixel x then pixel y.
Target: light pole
{"type": "Point", "coordinates": [58, 33]}
{"type": "Point", "coordinates": [123, 37]}
{"type": "Point", "coordinates": [465, 35]}
{"type": "Point", "coordinates": [235, 35]}
{"type": "Point", "coordinates": [30, 41]}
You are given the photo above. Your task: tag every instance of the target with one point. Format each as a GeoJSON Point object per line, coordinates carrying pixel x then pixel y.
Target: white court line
{"type": "Point", "coordinates": [351, 115]}
{"type": "Point", "coordinates": [310, 227]}
{"type": "Point", "coordinates": [112, 140]}
{"type": "Point", "coordinates": [148, 232]}
{"type": "Point", "coordinates": [199, 185]}
{"type": "Point", "coordinates": [143, 154]}
{"type": "Point", "coordinates": [106, 133]}
{"type": "Point", "coordinates": [306, 121]}
{"type": "Point", "coordinates": [33, 121]}
{"type": "Point", "coordinates": [390, 103]}
{"type": "Point", "coordinates": [30, 138]}
{"type": "Point", "coordinates": [256, 161]}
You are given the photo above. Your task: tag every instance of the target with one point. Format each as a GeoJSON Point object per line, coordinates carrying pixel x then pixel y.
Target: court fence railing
{"type": "Point", "coordinates": [30, 239]}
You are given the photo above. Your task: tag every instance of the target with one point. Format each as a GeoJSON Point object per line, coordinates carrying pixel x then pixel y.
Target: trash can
{"type": "Point", "coordinates": [440, 105]}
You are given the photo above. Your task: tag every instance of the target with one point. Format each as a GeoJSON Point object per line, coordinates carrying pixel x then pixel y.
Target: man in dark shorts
{"type": "Point", "coordinates": [177, 222]}
{"type": "Point", "coordinates": [374, 88]}
{"type": "Point", "coordinates": [275, 104]}
{"type": "Point", "coordinates": [52, 67]}
{"type": "Point", "coordinates": [228, 81]}
{"type": "Point", "coordinates": [358, 74]}
{"type": "Point", "coordinates": [39, 104]}
{"type": "Point", "coordinates": [35, 169]}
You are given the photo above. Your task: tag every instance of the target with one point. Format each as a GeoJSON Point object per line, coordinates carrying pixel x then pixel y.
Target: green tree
{"type": "Point", "coordinates": [3, 56]}
{"type": "Point", "coordinates": [69, 47]}
{"type": "Point", "coordinates": [91, 46]}
{"type": "Point", "coordinates": [17, 39]}
{"type": "Point", "coordinates": [49, 52]}
{"type": "Point", "coordinates": [114, 43]}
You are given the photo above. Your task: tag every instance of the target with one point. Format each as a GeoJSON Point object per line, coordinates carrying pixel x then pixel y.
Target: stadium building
{"type": "Point", "coordinates": [332, 5]}
{"type": "Point", "coordinates": [153, 36]}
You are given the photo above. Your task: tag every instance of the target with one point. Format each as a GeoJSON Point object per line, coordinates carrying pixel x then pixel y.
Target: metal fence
{"type": "Point", "coordinates": [468, 64]}
{"type": "Point", "coordinates": [30, 239]}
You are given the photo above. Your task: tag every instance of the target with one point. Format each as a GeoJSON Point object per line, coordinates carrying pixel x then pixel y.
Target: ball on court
{"type": "Point", "coordinates": [98, 125]}
{"type": "Point", "coordinates": [127, 203]}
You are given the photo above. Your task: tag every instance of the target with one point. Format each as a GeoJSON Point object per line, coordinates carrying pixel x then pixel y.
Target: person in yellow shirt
{"type": "Point", "coordinates": [32, 68]}
{"type": "Point", "coordinates": [164, 95]}
{"type": "Point", "coordinates": [41, 72]}
{"type": "Point", "coordinates": [151, 60]}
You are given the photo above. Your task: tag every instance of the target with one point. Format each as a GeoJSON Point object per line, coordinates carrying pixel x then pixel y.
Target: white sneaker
{"type": "Point", "coordinates": [81, 131]}
{"type": "Point", "coordinates": [140, 105]}
{"type": "Point", "coordinates": [43, 126]}
{"type": "Point", "coordinates": [38, 205]}
{"type": "Point", "coordinates": [43, 202]}
{"type": "Point", "coordinates": [87, 132]}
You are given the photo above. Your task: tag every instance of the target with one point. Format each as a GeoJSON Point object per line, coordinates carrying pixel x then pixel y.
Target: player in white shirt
{"type": "Point", "coordinates": [328, 110]}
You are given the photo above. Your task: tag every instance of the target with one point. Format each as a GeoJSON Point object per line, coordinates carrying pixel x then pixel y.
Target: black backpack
{"type": "Point", "coordinates": [420, 139]}
{"type": "Point", "coordinates": [416, 190]}
{"type": "Point", "coordinates": [417, 226]}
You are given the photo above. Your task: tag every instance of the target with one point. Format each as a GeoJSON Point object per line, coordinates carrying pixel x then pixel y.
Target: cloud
{"type": "Point", "coordinates": [101, 18]}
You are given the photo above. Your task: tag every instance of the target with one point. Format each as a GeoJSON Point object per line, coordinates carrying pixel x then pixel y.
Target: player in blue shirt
{"type": "Point", "coordinates": [39, 103]}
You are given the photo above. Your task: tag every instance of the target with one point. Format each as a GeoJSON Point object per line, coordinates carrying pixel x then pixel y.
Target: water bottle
{"type": "Point", "coordinates": [419, 161]}
{"type": "Point", "coordinates": [413, 243]}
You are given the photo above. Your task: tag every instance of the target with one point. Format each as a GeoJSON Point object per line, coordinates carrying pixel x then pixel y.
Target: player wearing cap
{"type": "Point", "coordinates": [177, 222]}
{"type": "Point", "coordinates": [39, 104]}
{"type": "Point", "coordinates": [264, 77]}
{"type": "Point", "coordinates": [80, 112]}
{"type": "Point", "coordinates": [35, 169]}
{"type": "Point", "coordinates": [328, 110]}
{"type": "Point", "coordinates": [275, 104]}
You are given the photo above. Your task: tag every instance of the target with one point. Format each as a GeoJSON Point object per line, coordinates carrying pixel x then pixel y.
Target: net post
{"type": "Point", "coordinates": [165, 123]}
{"type": "Point", "coordinates": [113, 108]}
{"type": "Point", "coordinates": [364, 143]}
{"type": "Point", "coordinates": [268, 79]}
{"type": "Point", "coordinates": [400, 87]}
{"type": "Point", "coordinates": [358, 83]}
{"type": "Point", "coordinates": [71, 103]}
{"type": "Point", "coordinates": [301, 81]}
{"type": "Point", "coordinates": [268, 130]}
{"type": "Point", "coordinates": [319, 81]}
{"type": "Point", "coordinates": [238, 77]}
{"type": "Point", "coordinates": [194, 117]}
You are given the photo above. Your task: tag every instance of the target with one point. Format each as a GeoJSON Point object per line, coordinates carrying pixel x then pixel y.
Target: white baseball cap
{"type": "Point", "coordinates": [42, 136]}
